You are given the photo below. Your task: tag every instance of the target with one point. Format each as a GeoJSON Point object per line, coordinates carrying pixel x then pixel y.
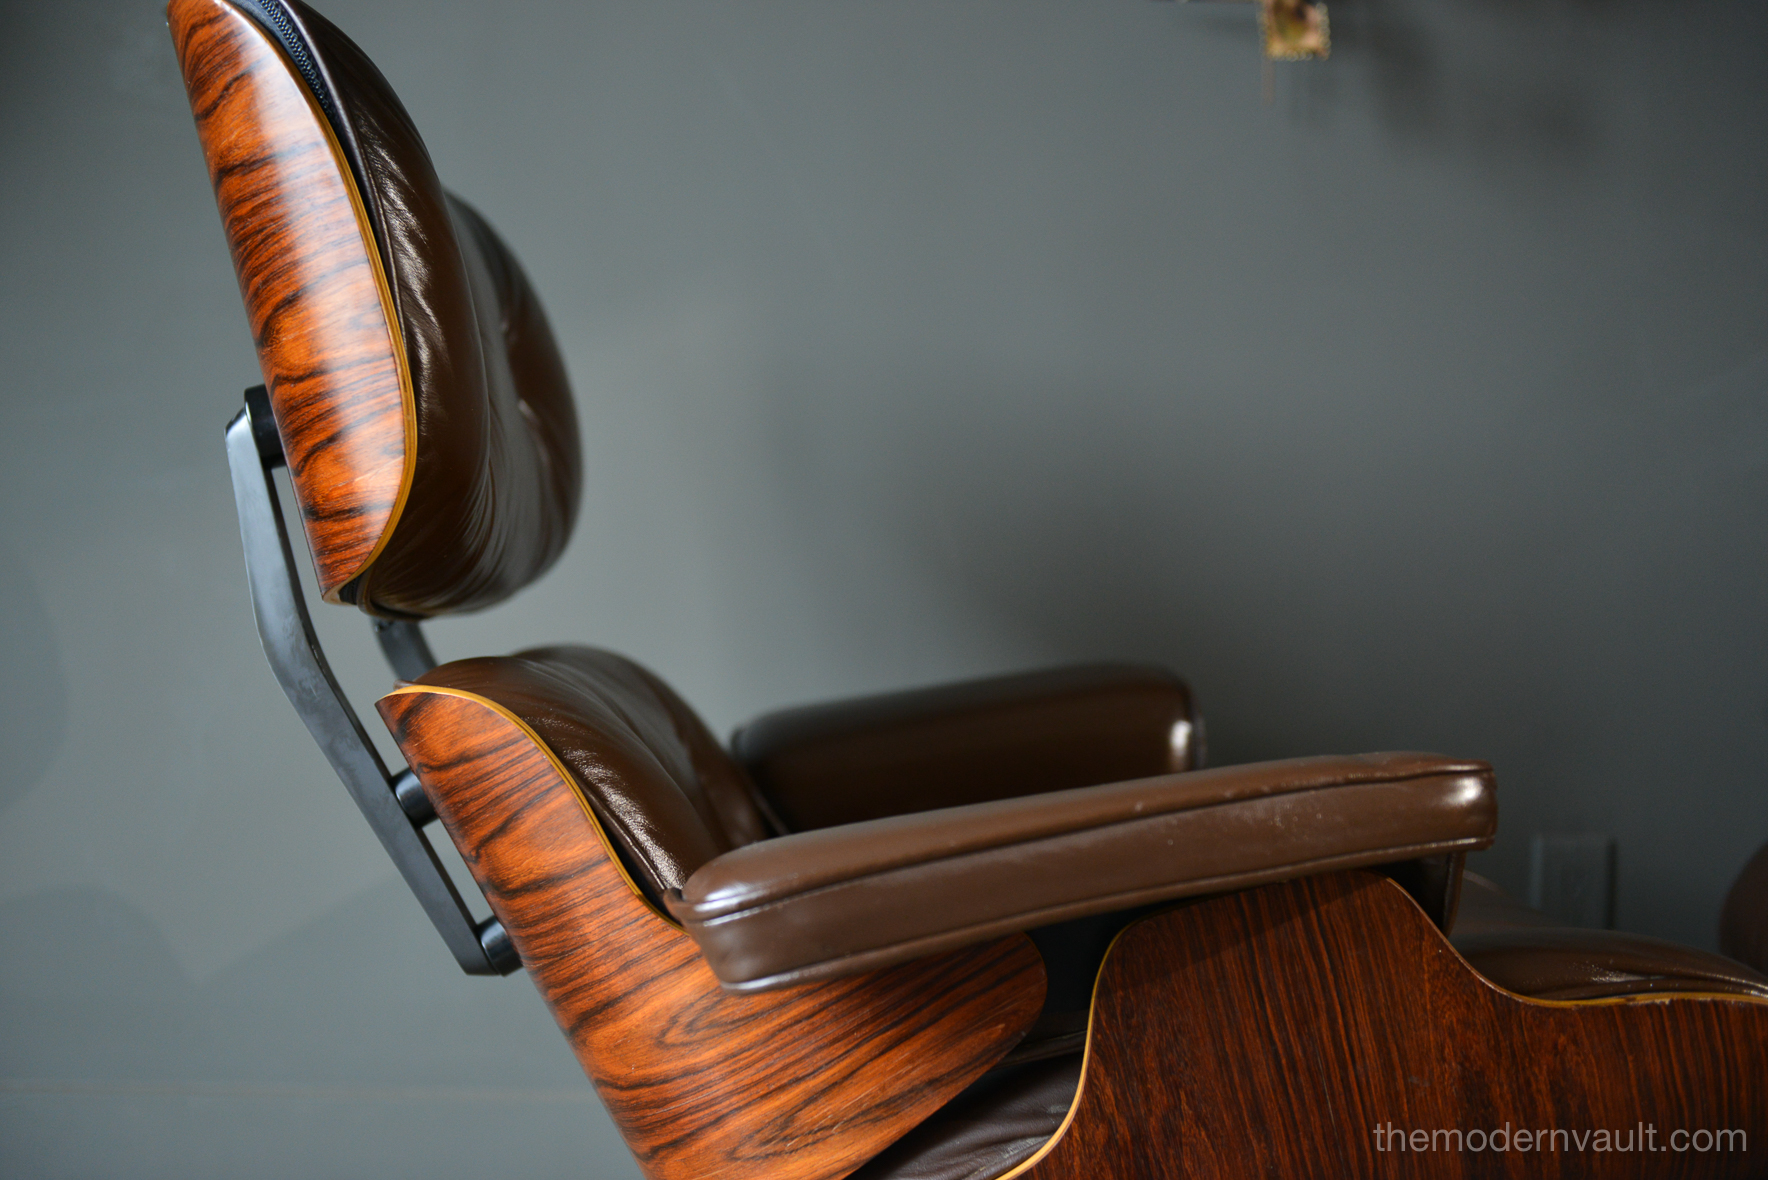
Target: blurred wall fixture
{"type": "Point", "coordinates": [1293, 29]}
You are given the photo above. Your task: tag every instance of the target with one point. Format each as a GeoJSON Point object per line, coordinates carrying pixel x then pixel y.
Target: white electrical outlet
{"type": "Point", "coordinates": [1572, 878]}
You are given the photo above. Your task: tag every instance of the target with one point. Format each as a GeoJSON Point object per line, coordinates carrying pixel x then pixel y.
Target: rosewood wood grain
{"type": "Point", "coordinates": [310, 274]}
{"type": "Point", "coordinates": [801, 1084]}
{"type": "Point", "coordinates": [1267, 1033]}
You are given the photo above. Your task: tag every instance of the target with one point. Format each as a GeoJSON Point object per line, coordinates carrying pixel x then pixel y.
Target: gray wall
{"type": "Point", "coordinates": [1419, 405]}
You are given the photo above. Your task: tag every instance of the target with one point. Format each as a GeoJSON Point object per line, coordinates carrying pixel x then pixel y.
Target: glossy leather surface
{"type": "Point", "coordinates": [989, 1129]}
{"type": "Point", "coordinates": [1743, 924]}
{"type": "Point", "coordinates": [655, 777]}
{"type": "Point", "coordinates": [987, 739]}
{"type": "Point", "coordinates": [497, 470]}
{"type": "Point", "coordinates": [1526, 952]}
{"type": "Point", "coordinates": [830, 902]}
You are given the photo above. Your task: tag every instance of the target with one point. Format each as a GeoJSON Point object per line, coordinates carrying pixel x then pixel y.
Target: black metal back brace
{"type": "Point", "coordinates": [394, 804]}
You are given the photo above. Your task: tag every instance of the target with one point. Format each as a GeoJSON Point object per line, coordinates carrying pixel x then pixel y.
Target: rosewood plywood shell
{"type": "Point", "coordinates": [1267, 1033]}
{"type": "Point", "coordinates": [311, 278]}
{"type": "Point", "coordinates": [801, 1084]}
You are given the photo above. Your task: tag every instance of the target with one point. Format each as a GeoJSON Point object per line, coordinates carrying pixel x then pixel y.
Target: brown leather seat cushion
{"type": "Point", "coordinates": [1526, 952]}
{"type": "Point", "coordinates": [992, 1127]}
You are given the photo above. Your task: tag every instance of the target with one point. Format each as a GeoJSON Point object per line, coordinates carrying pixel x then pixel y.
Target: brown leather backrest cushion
{"type": "Point", "coordinates": [654, 775]}
{"type": "Point", "coordinates": [497, 469]}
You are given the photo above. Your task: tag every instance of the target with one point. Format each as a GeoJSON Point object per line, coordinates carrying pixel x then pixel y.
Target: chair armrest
{"type": "Point", "coordinates": [816, 905]}
{"type": "Point", "coordinates": [903, 752]}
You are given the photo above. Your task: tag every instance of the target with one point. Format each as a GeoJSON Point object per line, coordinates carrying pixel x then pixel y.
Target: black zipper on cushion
{"type": "Point", "coordinates": [275, 18]}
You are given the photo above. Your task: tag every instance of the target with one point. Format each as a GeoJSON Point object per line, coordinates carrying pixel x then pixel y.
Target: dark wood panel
{"type": "Point", "coordinates": [1269, 1032]}
{"type": "Point", "coordinates": [800, 1084]}
{"type": "Point", "coordinates": [317, 301]}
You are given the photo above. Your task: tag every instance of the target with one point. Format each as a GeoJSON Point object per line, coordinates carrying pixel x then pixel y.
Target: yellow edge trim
{"type": "Point", "coordinates": [1092, 1004]}
{"type": "Point", "coordinates": [569, 779]}
{"type": "Point", "coordinates": [1086, 1060]}
{"type": "Point", "coordinates": [401, 362]}
{"type": "Point", "coordinates": [1641, 998]}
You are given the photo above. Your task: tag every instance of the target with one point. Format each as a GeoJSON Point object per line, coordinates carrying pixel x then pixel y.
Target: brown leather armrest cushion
{"type": "Point", "coordinates": [826, 903]}
{"type": "Point", "coordinates": [1005, 736]}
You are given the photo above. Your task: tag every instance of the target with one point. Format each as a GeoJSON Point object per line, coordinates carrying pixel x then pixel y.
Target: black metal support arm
{"type": "Point", "coordinates": [404, 645]}
{"type": "Point", "coordinates": [394, 805]}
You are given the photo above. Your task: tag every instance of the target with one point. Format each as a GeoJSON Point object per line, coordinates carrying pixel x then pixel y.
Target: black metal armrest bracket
{"type": "Point", "coordinates": [394, 804]}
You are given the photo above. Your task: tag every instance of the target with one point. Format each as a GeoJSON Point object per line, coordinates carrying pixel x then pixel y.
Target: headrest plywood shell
{"type": "Point", "coordinates": [421, 400]}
